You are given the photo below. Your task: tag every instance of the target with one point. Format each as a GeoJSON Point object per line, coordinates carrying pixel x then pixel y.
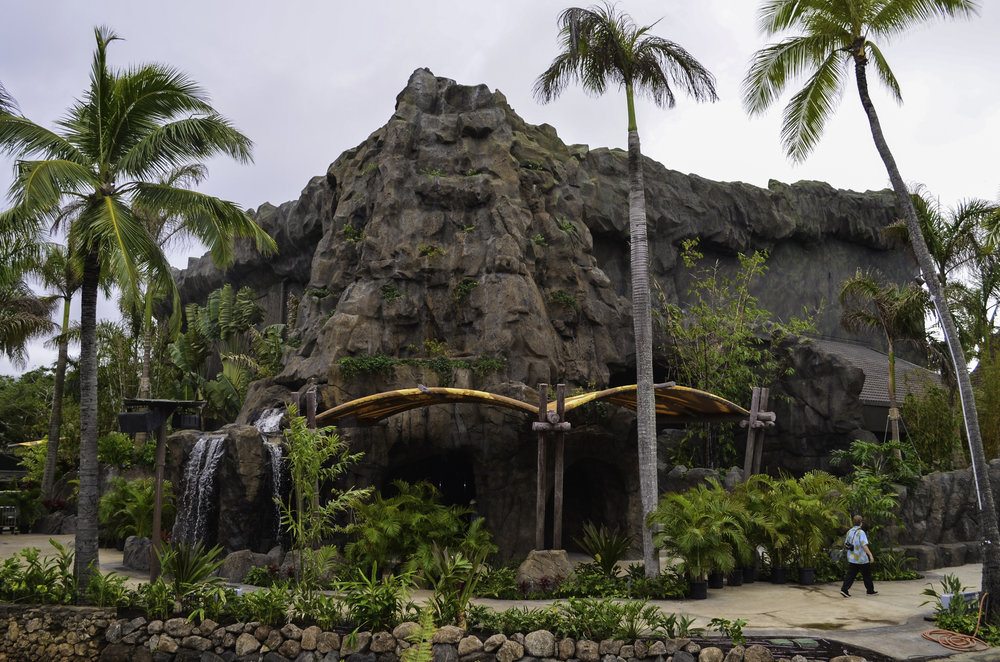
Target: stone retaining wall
{"type": "Point", "coordinates": [64, 634]}
{"type": "Point", "coordinates": [52, 633]}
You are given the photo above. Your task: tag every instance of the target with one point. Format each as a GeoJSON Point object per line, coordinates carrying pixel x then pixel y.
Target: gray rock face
{"type": "Point", "coordinates": [458, 222]}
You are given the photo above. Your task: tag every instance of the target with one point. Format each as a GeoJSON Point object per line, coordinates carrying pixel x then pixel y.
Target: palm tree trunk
{"type": "Point", "coordinates": [893, 404]}
{"type": "Point", "coordinates": [55, 418]}
{"type": "Point", "coordinates": [86, 524]}
{"type": "Point", "coordinates": [980, 468]}
{"type": "Point", "coordinates": [642, 319]}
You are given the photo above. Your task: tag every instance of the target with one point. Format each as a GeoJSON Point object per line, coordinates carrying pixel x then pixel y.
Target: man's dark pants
{"type": "Point", "coordinates": [866, 574]}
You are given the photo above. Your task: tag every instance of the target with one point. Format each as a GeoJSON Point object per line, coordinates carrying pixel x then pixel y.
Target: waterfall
{"type": "Point", "coordinates": [274, 451]}
{"type": "Point", "coordinates": [198, 489]}
{"type": "Point", "coordinates": [269, 421]}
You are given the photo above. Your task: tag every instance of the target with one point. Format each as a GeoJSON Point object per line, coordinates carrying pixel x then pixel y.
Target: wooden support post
{"type": "Point", "coordinates": [543, 403]}
{"type": "Point", "coordinates": [557, 483]}
{"type": "Point", "coordinates": [161, 461]}
{"type": "Point", "coordinates": [751, 432]}
{"type": "Point", "coordinates": [759, 444]}
{"type": "Point", "coordinates": [311, 408]}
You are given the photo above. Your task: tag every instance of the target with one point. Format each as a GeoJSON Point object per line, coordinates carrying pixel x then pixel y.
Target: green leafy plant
{"type": "Point", "coordinates": [390, 292]}
{"type": "Point", "coordinates": [590, 618]}
{"type": "Point", "coordinates": [933, 426]}
{"type": "Point", "coordinates": [532, 165]}
{"type": "Point", "coordinates": [702, 527]}
{"type": "Point", "coordinates": [428, 250]}
{"type": "Point", "coordinates": [115, 449]}
{"type": "Point", "coordinates": [367, 168]}
{"type": "Point", "coordinates": [157, 598]}
{"type": "Point", "coordinates": [316, 458]}
{"type": "Point", "coordinates": [733, 630]}
{"type": "Point", "coordinates": [403, 528]}
{"type": "Point", "coordinates": [420, 640]}
{"type": "Point", "coordinates": [453, 578]}
{"type": "Point", "coordinates": [268, 606]}
{"type": "Point", "coordinates": [317, 293]}
{"type": "Point", "coordinates": [29, 577]}
{"type": "Point", "coordinates": [539, 240]}
{"type": "Point", "coordinates": [564, 298]}
{"type": "Point", "coordinates": [352, 234]}
{"type": "Point", "coordinates": [326, 611]}
{"type": "Point", "coordinates": [567, 227]}
{"type": "Point", "coordinates": [468, 228]}
{"type": "Point", "coordinates": [366, 364]}
{"type": "Point", "coordinates": [605, 546]}
{"type": "Point", "coordinates": [126, 509]}
{"type": "Point", "coordinates": [108, 590]}
{"type": "Point", "coordinates": [431, 172]}
{"type": "Point", "coordinates": [724, 343]}
{"type": "Point", "coordinates": [463, 288]}
{"type": "Point", "coordinates": [375, 603]}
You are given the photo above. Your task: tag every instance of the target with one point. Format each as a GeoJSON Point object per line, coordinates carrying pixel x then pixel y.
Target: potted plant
{"type": "Point", "coordinates": [700, 528]}
{"type": "Point", "coordinates": [758, 523]}
{"type": "Point", "coordinates": [817, 514]}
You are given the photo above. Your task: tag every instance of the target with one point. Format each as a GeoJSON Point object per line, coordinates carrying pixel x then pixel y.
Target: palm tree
{"type": "Point", "coordinates": [870, 303]}
{"type": "Point", "coordinates": [833, 35]}
{"type": "Point", "coordinates": [128, 128]}
{"type": "Point", "coordinates": [7, 102]}
{"type": "Point", "coordinates": [59, 271]}
{"type": "Point", "coordinates": [23, 315]}
{"type": "Point", "coordinates": [600, 47]}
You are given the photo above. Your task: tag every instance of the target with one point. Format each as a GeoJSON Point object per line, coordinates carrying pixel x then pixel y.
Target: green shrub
{"type": "Point", "coordinates": [605, 546]}
{"type": "Point", "coordinates": [390, 292]}
{"type": "Point", "coordinates": [366, 364]}
{"type": "Point", "coordinates": [564, 298]}
{"type": "Point", "coordinates": [126, 509]}
{"type": "Point", "coordinates": [463, 288]}
{"type": "Point", "coordinates": [375, 604]}
{"type": "Point", "coordinates": [267, 606]}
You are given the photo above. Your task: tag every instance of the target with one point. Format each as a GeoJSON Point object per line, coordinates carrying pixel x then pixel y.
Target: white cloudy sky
{"type": "Point", "coordinates": [308, 79]}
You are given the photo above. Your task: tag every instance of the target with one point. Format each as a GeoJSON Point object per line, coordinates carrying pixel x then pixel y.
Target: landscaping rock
{"type": "Point", "coordinates": [494, 642]}
{"type": "Point", "coordinates": [587, 650]}
{"type": "Point", "coordinates": [543, 568]}
{"type": "Point", "coordinates": [137, 553]}
{"type": "Point", "coordinates": [382, 642]}
{"type": "Point", "coordinates": [540, 643]}
{"type": "Point", "coordinates": [510, 651]}
{"type": "Point", "coordinates": [758, 653]}
{"type": "Point", "coordinates": [246, 644]}
{"type": "Point", "coordinates": [469, 645]}
{"type": "Point", "coordinates": [448, 634]}
{"type": "Point", "coordinates": [710, 654]}
{"type": "Point", "coordinates": [735, 654]}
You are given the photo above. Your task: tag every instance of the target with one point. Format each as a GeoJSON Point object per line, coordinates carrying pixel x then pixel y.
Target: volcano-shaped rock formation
{"type": "Point", "coordinates": [459, 231]}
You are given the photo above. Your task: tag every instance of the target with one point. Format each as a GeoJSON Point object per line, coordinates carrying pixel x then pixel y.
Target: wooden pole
{"type": "Point", "coordinates": [543, 403]}
{"type": "Point", "coordinates": [311, 408]}
{"type": "Point", "coordinates": [751, 432]}
{"type": "Point", "coordinates": [557, 486]}
{"type": "Point", "coordinates": [759, 443]}
{"type": "Point", "coordinates": [161, 461]}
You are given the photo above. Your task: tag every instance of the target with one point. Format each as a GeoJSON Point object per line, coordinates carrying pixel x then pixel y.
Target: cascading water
{"type": "Point", "coordinates": [198, 489]}
{"type": "Point", "coordinates": [269, 424]}
{"type": "Point", "coordinates": [274, 450]}
{"type": "Point", "coordinates": [269, 421]}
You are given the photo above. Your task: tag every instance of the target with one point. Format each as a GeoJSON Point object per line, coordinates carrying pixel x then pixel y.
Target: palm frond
{"type": "Point", "coordinates": [810, 108]}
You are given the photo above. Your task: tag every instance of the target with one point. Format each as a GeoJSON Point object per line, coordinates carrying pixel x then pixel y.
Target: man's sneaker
{"type": "Point", "coordinates": [845, 594]}
{"type": "Point", "coordinates": [870, 592]}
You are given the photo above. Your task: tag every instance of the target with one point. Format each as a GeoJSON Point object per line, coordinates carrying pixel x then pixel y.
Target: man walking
{"type": "Point", "coordinates": [859, 559]}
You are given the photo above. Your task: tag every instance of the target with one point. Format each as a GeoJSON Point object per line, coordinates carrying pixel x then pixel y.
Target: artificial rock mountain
{"type": "Point", "coordinates": [459, 224]}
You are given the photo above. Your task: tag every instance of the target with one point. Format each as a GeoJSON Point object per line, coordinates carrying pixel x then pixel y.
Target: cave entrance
{"type": "Point", "coordinates": [451, 472]}
{"type": "Point", "coordinates": [594, 491]}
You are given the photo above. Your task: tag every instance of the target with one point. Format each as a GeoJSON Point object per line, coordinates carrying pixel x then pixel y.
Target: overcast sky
{"type": "Point", "coordinates": [306, 80]}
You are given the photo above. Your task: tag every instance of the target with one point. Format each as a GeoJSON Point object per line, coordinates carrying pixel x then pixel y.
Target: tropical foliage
{"type": "Point", "coordinates": [822, 42]}
{"type": "Point", "coordinates": [95, 171]}
{"type": "Point", "coordinates": [724, 343]}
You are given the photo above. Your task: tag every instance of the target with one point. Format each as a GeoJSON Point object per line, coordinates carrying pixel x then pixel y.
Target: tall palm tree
{"type": "Point", "coordinates": [602, 46]}
{"type": "Point", "coordinates": [60, 271]}
{"type": "Point", "coordinates": [870, 303]}
{"type": "Point", "coordinates": [128, 128]}
{"type": "Point", "coordinates": [831, 37]}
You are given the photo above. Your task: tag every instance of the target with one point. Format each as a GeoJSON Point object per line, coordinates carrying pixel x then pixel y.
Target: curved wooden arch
{"type": "Point", "coordinates": [674, 404]}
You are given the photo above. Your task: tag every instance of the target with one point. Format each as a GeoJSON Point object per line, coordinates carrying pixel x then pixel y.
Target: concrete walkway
{"type": "Point", "coordinates": [889, 623]}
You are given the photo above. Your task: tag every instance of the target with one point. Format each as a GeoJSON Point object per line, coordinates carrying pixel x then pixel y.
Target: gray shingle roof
{"type": "Point", "coordinates": [875, 365]}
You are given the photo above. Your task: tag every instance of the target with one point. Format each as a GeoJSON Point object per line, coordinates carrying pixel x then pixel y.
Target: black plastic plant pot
{"type": "Point", "coordinates": [131, 422]}
{"type": "Point", "coordinates": [716, 579]}
{"type": "Point", "coordinates": [749, 574]}
{"type": "Point", "coordinates": [779, 575]}
{"type": "Point", "coordinates": [807, 576]}
{"type": "Point", "coordinates": [699, 590]}
{"type": "Point", "coordinates": [735, 578]}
